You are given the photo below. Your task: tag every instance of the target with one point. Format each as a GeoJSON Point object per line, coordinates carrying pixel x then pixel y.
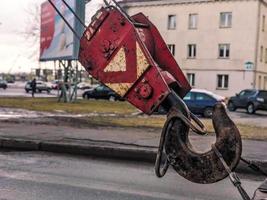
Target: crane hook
{"type": "Point", "coordinates": [195, 166]}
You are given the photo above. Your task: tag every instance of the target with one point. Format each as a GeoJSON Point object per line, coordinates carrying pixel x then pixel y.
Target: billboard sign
{"type": "Point", "coordinates": [57, 41]}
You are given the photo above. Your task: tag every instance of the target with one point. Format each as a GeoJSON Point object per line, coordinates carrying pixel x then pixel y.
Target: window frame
{"type": "Point", "coordinates": [171, 48]}
{"type": "Point", "coordinates": [224, 50]}
{"type": "Point", "coordinates": [171, 26]}
{"type": "Point", "coordinates": [259, 82]}
{"type": "Point", "coordinates": [191, 50]}
{"type": "Point", "coordinates": [191, 78]}
{"type": "Point", "coordinates": [263, 23]}
{"type": "Point", "coordinates": [261, 53]}
{"type": "Point", "coordinates": [226, 24]}
{"type": "Point", "coordinates": [224, 83]}
{"type": "Point", "coordinates": [191, 16]}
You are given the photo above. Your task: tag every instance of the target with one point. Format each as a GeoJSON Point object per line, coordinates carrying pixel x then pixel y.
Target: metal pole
{"type": "Point", "coordinates": [105, 1]}
{"type": "Point", "coordinates": [74, 32]}
{"type": "Point", "coordinates": [77, 17]}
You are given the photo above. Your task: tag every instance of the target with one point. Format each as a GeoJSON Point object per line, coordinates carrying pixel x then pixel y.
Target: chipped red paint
{"type": "Point", "coordinates": [143, 80]}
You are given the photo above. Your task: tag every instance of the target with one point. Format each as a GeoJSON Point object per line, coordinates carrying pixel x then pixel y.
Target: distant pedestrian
{"type": "Point", "coordinates": [33, 86]}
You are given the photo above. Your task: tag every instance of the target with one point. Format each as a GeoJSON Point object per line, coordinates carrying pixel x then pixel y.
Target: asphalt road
{"type": "Point", "coordinates": [43, 176]}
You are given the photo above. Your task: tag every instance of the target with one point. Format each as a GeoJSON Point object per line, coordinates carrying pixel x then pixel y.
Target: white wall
{"type": "Point", "coordinates": [242, 37]}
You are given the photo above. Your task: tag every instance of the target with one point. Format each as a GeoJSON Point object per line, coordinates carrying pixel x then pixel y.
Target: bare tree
{"type": "Point", "coordinates": [32, 29]}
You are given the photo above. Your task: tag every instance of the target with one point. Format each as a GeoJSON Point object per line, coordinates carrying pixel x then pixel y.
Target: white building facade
{"type": "Point", "coordinates": [221, 45]}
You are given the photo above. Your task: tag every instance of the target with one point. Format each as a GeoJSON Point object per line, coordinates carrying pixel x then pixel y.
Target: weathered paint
{"type": "Point", "coordinates": [120, 88]}
{"type": "Point", "coordinates": [118, 64]}
{"type": "Point", "coordinates": [142, 62]}
{"type": "Point", "coordinates": [121, 56]}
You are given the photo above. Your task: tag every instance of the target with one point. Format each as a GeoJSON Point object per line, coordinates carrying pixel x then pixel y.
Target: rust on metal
{"type": "Point", "coordinates": [204, 167]}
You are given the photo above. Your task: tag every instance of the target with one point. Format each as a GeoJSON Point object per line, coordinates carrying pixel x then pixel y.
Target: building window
{"type": "Point", "coordinates": [192, 51]}
{"type": "Point", "coordinates": [265, 83]}
{"type": "Point", "coordinates": [265, 55]}
{"type": "Point", "coordinates": [222, 81]}
{"type": "Point", "coordinates": [263, 23]}
{"type": "Point", "coordinates": [172, 22]}
{"type": "Point", "coordinates": [191, 79]}
{"type": "Point", "coordinates": [225, 20]}
{"type": "Point", "coordinates": [224, 50]}
{"type": "Point", "coordinates": [193, 21]}
{"type": "Point", "coordinates": [172, 48]}
{"type": "Point", "coordinates": [259, 82]}
{"type": "Point", "coordinates": [261, 53]}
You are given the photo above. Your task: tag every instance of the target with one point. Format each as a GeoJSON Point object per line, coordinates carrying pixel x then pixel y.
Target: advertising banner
{"type": "Point", "coordinates": [57, 41]}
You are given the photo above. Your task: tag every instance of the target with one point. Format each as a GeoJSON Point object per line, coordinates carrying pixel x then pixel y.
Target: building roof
{"type": "Point", "coordinates": [136, 3]}
{"type": "Point", "coordinates": [133, 3]}
{"type": "Point", "coordinates": [124, 1]}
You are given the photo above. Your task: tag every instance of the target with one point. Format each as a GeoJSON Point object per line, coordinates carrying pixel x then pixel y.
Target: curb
{"type": "Point", "coordinates": [19, 144]}
{"type": "Point", "coordinates": [107, 150]}
{"type": "Point", "coordinates": [141, 154]}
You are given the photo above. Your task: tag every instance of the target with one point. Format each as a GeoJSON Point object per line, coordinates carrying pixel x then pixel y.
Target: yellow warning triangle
{"type": "Point", "coordinates": [118, 63]}
{"type": "Point", "coordinates": [141, 60]}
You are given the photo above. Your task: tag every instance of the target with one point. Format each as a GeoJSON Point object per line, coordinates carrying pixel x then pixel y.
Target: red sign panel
{"type": "Point", "coordinates": [47, 25]}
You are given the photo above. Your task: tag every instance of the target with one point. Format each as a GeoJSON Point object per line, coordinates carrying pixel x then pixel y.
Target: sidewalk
{"type": "Point", "coordinates": [123, 143]}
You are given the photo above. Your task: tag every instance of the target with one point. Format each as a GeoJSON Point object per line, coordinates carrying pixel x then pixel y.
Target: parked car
{"type": "Point", "coordinates": [84, 86]}
{"type": "Point", "coordinates": [250, 99]}
{"type": "Point", "coordinates": [201, 102]}
{"type": "Point", "coordinates": [40, 86]}
{"type": "Point", "coordinates": [101, 92]}
{"type": "Point", "coordinates": [3, 84]}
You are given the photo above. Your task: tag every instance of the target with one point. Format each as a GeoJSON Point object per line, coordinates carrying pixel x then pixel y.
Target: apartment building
{"type": "Point", "coordinates": [220, 45]}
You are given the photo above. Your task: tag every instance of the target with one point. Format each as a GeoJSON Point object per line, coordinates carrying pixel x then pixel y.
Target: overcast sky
{"type": "Point", "coordinates": [14, 50]}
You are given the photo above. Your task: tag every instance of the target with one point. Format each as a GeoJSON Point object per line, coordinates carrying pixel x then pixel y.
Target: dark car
{"type": "Point", "coordinates": [101, 92]}
{"type": "Point", "coordinates": [3, 84]}
{"type": "Point", "coordinates": [201, 102]}
{"type": "Point", "coordinates": [40, 86]}
{"type": "Point", "coordinates": [250, 99]}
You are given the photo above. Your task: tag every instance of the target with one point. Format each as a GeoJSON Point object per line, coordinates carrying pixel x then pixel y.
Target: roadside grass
{"type": "Point", "coordinates": [157, 122]}
{"type": "Point", "coordinates": [129, 121]}
{"type": "Point", "coordinates": [123, 114]}
{"type": "Point", "coordinates": [247, 131]}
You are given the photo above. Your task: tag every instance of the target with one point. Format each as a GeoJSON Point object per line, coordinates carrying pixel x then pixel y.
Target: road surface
{"type": "Point", "coordinates": [45, 176]}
